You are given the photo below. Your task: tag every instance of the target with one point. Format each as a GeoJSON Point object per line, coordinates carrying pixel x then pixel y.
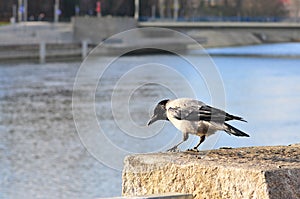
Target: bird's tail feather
{"type": "Point", "coordinates": [234, 131]}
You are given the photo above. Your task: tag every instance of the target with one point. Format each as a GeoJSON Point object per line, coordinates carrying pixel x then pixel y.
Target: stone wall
{"type": "Point", "coordinates": [255, 172]}
{"type": "Point", "coordinates": [96, 29]}
{"type": "Point", "coordinates": [240, 37]}
{"type": "Point", "coordinates": [218, 34]}
{"type": "Point", "coordinates": [208, 34]}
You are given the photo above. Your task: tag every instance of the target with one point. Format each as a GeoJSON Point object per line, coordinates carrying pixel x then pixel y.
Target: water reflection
{"type": "Point", "coordinates": [266, 92]}
{"type": "Point", "coordinates": [40, 153]}
{"type": "Point", "coordinates": [42, 156]}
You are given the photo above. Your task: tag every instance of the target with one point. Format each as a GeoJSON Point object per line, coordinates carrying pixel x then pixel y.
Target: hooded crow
{"type": "Point", "coordinates": [191, 116]}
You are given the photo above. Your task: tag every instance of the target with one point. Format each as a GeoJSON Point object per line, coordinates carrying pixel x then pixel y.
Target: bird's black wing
{"type": "Point", "coordinates": [204, 113]}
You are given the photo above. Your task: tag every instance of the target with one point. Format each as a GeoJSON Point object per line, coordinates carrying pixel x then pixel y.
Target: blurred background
{"type": "Point", "coordinates": [253, 46]}
{"type": "Point", "coordinates": [194, 10]}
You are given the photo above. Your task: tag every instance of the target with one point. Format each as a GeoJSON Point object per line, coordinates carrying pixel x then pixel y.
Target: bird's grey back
{"type": "Point", "coordinates": [188, 102]}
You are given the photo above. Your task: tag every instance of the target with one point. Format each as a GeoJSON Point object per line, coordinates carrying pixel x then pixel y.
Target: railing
{"type": "Point", "coordinates": [45, 51]}
{"type": "Point", "coordinates": [222, 18]}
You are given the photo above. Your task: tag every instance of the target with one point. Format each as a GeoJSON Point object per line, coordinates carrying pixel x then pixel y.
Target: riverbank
{"type": "Point", "coordinates": [252, 172]}
{"type": "Point", "coordinates": [20, 41]}
{"type": "Point", "coordinates": [224, 34]}
{"type": "Point", "coordinates": [43, 52]}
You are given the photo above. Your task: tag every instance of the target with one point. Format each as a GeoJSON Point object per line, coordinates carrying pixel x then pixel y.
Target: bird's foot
{"type": "Point", "coordinates": [226, 147]}
{"type": "Point", "coordinates": [193, 149]}
{"type": "Point", "coordinates": [173, 149]}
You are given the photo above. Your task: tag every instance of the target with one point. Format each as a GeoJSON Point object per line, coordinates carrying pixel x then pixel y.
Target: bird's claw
{"type": "Point", "coordinates": [173, 149]}
{"type": "Point", "coordinates": [193, 150]}
{"type": "Point", "coordinates": [225, 147]}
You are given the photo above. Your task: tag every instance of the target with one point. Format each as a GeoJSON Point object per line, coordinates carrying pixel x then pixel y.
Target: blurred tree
{"type": "Point", "coordinates": [108, 7]}
{"type": "Point", "coordinates": [6, 9]}
{"type": "Point", "coordinates": [117, 7]}
{"type": "Point", "coordinates": [68, 8]}
{"type": "Point", "coordinates": [146, 6]}
{"type": "Point", "coordinates": [188, 9]}
{"type": "Point", "coordinates": [266, 8]}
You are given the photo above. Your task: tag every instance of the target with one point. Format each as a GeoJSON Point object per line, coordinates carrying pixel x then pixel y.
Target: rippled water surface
{"type": "Point", "coordinates": [41, 155]}
{"type": "Point", "coordinates": [280, 49]}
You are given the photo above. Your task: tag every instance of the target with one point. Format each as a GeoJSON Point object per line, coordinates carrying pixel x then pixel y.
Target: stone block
{"type": "Point", "coordinates": [253, 172]}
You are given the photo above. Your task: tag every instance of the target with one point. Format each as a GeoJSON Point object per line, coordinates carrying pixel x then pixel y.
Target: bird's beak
{"type": "Point", "coordinates": [152, 120]}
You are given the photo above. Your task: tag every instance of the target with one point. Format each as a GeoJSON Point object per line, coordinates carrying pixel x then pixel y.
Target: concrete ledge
{"type": "Point", "coordinates": [96, 29]}
{"type": "Point", "coordinates": [254, 172]}
{"type": "Point", "coordinates": [222, 24]}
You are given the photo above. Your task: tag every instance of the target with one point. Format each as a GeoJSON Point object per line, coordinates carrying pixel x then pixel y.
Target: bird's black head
{"type": "Point", "coordinates": [159, 112]}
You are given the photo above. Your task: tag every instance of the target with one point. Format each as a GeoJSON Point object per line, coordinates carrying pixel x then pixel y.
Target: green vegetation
{"type": "Point", "coordinates": [3, 23]}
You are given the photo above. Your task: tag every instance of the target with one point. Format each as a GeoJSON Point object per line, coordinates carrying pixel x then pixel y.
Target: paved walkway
{"type": "Point", "coordinates": [223, 24]}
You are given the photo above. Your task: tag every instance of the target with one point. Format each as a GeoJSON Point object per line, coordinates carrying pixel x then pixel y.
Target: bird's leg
{"type": "Point", "coordinates": [202, 138]}
{"type": "Point", "coordinates": [175, 148]}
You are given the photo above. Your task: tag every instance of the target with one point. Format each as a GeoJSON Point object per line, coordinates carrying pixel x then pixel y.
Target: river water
{"type": "Point", "coordinates": [42, 154]}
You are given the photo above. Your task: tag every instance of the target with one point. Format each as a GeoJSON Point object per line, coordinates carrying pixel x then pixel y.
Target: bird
{"type": "Point", "coordinates": [192, 116]}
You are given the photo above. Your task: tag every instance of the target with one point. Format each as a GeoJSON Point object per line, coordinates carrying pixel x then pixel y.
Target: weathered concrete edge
{"type": "Point", "coordinates": [278, 180]}
{"type": "Point", "coordinates": [266, 182]}
{"type": "Point", "coordinates": [155, 196]}
{"type": "Point", "coordinates": [152, 181]}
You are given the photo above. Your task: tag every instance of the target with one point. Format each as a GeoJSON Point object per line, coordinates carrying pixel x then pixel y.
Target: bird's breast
{"type": "Point", "coordinates": [193, 127]}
